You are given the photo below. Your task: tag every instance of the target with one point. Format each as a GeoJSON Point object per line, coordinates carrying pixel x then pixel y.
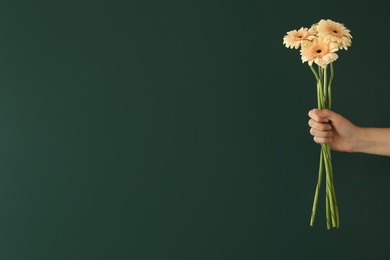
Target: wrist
{"type": "Point", "coordinates": [358, 141]}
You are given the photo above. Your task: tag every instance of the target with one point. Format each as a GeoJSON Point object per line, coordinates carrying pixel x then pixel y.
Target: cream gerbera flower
{"type": "Point", "coordinates": [336, 32]}
{"type": "Point", "coordinates": [295, 38]}
{"type": "Point", "coordinates": [313, 29]}
{"type": "Point", "coordinates": [320, 50]}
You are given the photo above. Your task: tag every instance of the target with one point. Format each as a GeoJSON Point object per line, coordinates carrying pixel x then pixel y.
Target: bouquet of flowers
{"type": "Point", "coordinates": [319, 44]}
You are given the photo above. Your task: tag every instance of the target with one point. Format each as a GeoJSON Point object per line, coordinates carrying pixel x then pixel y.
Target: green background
{"type": "Point", "coordinates": [178, 130]}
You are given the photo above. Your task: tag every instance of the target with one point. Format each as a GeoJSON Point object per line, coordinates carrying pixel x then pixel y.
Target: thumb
{"type": "Point", "coordinates": [324, 115]}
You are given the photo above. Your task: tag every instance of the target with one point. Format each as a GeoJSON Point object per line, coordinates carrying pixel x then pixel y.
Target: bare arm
{"type": "Point", "coordinates": [374, 141]}
{"type": "Point", "coordinates": [330, 127]}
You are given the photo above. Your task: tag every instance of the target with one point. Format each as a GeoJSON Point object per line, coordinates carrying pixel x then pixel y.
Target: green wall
{"type": "Point", "coordinates": [178, 130]}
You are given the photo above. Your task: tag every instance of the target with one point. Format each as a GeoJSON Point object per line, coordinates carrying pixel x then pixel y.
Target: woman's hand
{"type": "Point", "coordinates": [328, 127]}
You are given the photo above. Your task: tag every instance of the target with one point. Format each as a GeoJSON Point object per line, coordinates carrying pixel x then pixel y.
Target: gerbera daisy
{"type": "Point", "coordinates": [320, 50]}
{"type": "Point", "coordinates": [295, 38]}
{"type": "Point", "coordinates": [313, 29]}
{"type": "Point", "coordinates": [336, 32]}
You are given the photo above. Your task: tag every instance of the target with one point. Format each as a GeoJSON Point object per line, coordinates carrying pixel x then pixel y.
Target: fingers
{"type": "Point", "coordinates": [319, 129]}
{"type": "Point", "coordinates": [319, 126]}
{"type": "Point", "coordinates": [322, 140]}
{"type": "Point", "coordinates": [321, 137]}
{"type": "Point", "coordinates": [321, 134]}
{"type": "Point", "coordinates": [319, 115]}
{"type": "Point", "coordinates": [326, 115]}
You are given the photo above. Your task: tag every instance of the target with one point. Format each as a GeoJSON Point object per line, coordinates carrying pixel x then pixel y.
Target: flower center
{"type": "Point", "coordinates": [318, 51]}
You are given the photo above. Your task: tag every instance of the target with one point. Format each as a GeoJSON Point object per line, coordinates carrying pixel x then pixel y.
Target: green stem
{"type": "Point", "coordinates": [333, 192]}
{"type": "Point", "coordinates": [325, 85]}
{"type": "Point", "coordinates": [315, 73]}
{"type": "Point", "coordinates": [319, 86]}
{"type": "Point", "coordinates": [328, 221]}
{"type": "Point", "coordinates": [314, 209]}
{"type": "Point", "coordinates": [330, 85]}
{"type": "Point", "coordinates": [329, 186]}
{"type": "Point", "coordinates": [324, 82]}
{"type": "Point", "coordinates": [320, 72]}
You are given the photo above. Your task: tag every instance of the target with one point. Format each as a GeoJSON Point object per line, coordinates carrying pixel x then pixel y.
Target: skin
{"type": "Point", "coordinates": [327, 126]}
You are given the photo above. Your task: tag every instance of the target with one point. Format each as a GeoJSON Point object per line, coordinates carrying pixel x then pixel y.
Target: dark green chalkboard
{"type": "Point", "coordinates": [150, 130]}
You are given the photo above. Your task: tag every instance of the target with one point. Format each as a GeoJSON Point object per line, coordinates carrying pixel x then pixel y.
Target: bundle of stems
{"type": "Point", "coordinates": [324, 99]}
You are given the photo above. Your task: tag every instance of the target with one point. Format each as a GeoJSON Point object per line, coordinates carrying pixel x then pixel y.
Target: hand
{"type": "Point", "coordinates": [328, 127]}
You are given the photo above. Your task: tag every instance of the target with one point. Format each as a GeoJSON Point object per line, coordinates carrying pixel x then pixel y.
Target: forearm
{"type": "Point", "coordinates": [373, 141]}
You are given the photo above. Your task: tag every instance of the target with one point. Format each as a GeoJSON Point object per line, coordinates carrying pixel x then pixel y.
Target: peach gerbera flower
{"type": "Point", "coordinates": [295, 38]}
{"type": "Point", "coordinates": [313, 29]}
{"type": "Point", "coordinates": [320, 50]}
{"type": "Point", "coordinates": [336, 32]}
